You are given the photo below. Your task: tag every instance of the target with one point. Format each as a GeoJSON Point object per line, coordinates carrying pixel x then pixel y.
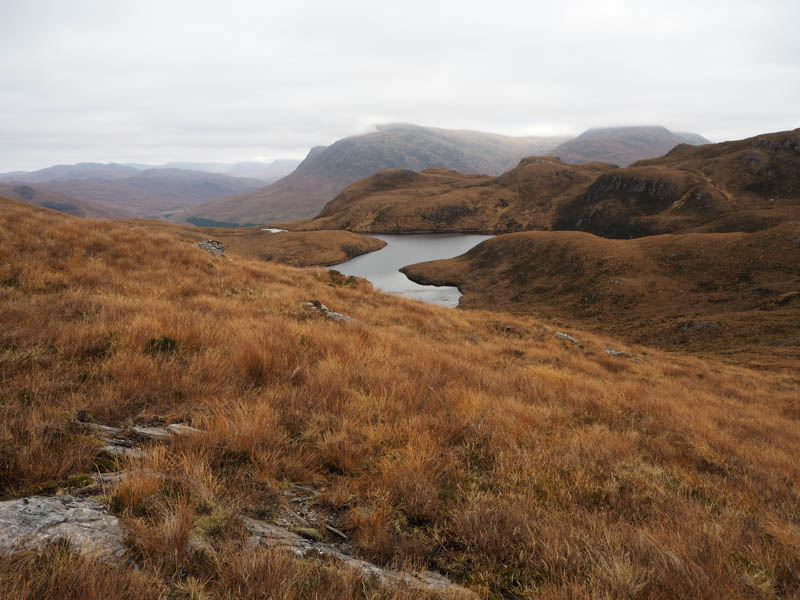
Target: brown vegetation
{"type": "Point", "coordinates": [472, 443]}
{"type": "Point", "coordinates": [746, 185]}
{"type": "Point", "coordinates": [525, 197]}
{"type": "Point", "coordinates": [734, 294]}
{"type": "Point", "coordinates": [296, 248]}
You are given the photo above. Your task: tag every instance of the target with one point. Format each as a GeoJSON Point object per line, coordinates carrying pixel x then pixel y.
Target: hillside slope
{"type": "Point", "coordinates": [471, 443]}
{"type": "Point", "coordinates": [326, 171]}
{"type": "Point", "coordinates": [623, 145]}
{"type": "Point", "coordinates": [745, 185]}
{"type": "Point", "coordinates": [57, 201]}
{"type": "Point", "coordinates": [736, 294]}
{"type": "Point", "coordinates": [296, 248]}
{"type": "Point", "coordinates": [525, 197]}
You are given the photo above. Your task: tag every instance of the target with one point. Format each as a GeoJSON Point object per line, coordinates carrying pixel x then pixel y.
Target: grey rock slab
{"type": "Point", "coordinates": [567, 338]}
{"type": "Point", "coordinates": [262, 533]}
{"type": "Point", "coordinates": [215, 247]}
{"type": "Point", "coordinates": [320, 308]}
{"type": "Point", "coordinates": [31, 523]}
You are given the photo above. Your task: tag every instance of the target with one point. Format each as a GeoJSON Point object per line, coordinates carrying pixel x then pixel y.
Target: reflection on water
{"type": "Point", "coordinates": [382, 268]}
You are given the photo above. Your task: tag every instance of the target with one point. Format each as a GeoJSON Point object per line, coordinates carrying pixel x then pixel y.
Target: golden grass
{"type": "Point", "coordinates": [468, 442]}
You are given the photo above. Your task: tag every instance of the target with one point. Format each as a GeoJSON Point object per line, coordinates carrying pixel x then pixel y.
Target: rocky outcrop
{"type": "Point", "coordinates": [315, 306]}
{"type": "Point", "coordinates": [261, 533]}
{"type": "Point", "coordinates": [31, 523]}
{"type": "Point", "coordinates": [213, 246]}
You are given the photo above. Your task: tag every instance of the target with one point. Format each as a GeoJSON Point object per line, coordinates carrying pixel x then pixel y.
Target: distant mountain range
{"type": "Point", "coordinates": [328, 170]}
{"type": "Point", "coordinates": [126, 190]}
{"type": "Point", "coordinates": [265, 171]}
{"type": "Point", "coordinates": [235, 194]}
{"type": "Point", "coordinates": [623, 145]}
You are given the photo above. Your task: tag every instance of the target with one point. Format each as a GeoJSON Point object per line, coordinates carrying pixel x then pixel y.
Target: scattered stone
{"type": "Point", "coordinates": [123, 443]}
{"type": "Point", "coordinates": [621, 354]}
{"type": "Point", "coordinates": [567, 337]}
{"type": "Point", "coordinates": [213, 246]}
{"type": "Point", "coordinates": [694, 325]}
{"type": "Point", "coordinates": [261, 533]}
{"type": "Point", "coordinates": [31, 523]}
{"type": "Point", "coordinates": [320, 308]}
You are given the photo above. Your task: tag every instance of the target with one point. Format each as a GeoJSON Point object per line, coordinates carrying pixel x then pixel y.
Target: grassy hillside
{"type": "Point", "coordinates": [734, 294]}
{"type": "Point", "coordinates": [623, 145]}
{"type": "Point", "coordinates": [328, 170]}
{"type": "Point", "coordinates": [744, 185]}
{"type": "Point", "coordinates": [525, 197]}
{"type": "Point", "coordinates": [474, 443]}
{"type": "Point", "coordinates": [57, 201]}
{"type": "Point", "coordinates": [296, 248]}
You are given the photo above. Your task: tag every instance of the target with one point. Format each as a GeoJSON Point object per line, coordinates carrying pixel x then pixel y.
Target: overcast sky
{"type": "Point", "coordinates": [146, 81]}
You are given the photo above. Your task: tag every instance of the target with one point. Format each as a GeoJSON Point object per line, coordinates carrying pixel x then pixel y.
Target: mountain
{"type": "Point", "coordinates": [328, 170]}
{"type": "Point", "coordinates": [743, 185]}
{"type": "Point", "coordinates": [525, 197]}
{"type": "Point", "coordinates": [735, 293]}
{"type": "Point", "coordinates": [623, 145]}
{"type": "Point", "coordinates": [108, 171]}
{"type": "Point", "coordinates": [57, 201]}
{"type": "Point", "coordinates": [153, 192]}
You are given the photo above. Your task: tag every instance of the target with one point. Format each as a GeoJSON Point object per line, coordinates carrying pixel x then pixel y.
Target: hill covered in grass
{"type": "Point", "coordinates": [525, 197]}
{"type": "Point", "coordinates": [471, 443]}
{"type": "Point", "coordinates": [745, 185]}
{"type": "Point", "coordinates": [623, 145]}
{"type": "Point", "coordinates": [326, 171]}
{"type": "Point", "coordinates": [734, 294]}
{"type": "Point", "coordinates": [296, 248]}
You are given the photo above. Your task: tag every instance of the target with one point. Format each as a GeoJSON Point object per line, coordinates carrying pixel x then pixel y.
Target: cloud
{"type": "Point", "coordinates": [154, 81]}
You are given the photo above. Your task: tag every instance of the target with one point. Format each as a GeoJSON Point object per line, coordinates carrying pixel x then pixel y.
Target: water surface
{"type": "Point", "coordinates": [382, 267]}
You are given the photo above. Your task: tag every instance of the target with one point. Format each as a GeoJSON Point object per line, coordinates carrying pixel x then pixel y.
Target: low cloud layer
{"type": "Point", "coordinates": [153, 81]}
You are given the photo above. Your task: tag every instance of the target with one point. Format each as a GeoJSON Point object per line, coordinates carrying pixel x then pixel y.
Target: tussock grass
{"type": "Point", "coordinates": [468, 442]}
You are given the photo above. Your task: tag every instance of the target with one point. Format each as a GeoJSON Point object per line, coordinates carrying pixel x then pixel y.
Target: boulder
{"type": "Point", "coordinates": [31, 523]}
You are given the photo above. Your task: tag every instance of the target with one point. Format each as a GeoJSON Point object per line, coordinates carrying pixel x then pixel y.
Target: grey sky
{"type": "Point", "coordinates": [152, 81]}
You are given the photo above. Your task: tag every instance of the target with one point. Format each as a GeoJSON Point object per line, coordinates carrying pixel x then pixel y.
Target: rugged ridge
{"type": "Point", "coordinates": [326, 171]}
{"type": "Point", "coordinates": [745, 185]}
{"type": "Point", "coordinates": [525, 197]}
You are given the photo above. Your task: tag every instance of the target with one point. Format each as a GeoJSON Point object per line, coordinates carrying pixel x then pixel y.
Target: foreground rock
{"type": "Point", "coordinates": [261, 533]}
{"type": "Point", "coordinates": [315, 306]}
{"type": "Point", "coordinates": [213, 246]}
{"type": "Point", "coordinates": [31, 523]}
